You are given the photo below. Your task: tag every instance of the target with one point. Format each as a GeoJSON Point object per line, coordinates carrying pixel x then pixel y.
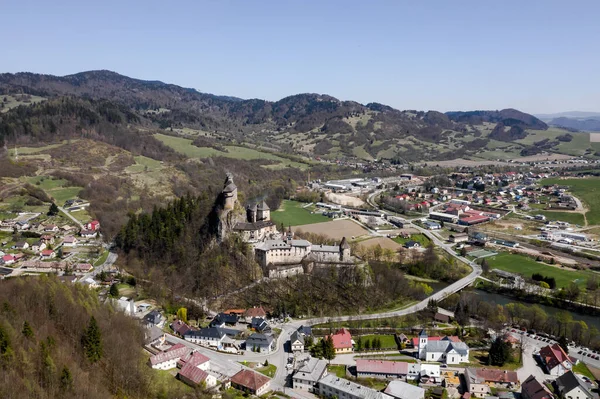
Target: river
{"type": "Point", "coordinates": [499, 299]}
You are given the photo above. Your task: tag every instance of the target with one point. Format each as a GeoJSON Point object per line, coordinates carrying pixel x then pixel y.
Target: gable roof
{"type": "Point", "coordinates": [296, 336]}
{"type": "Point", "coordinates": [553, 355]}
{"type": "Point", "coordinates": [208, 332]}
{"type": "Point", "coordinates": [256, 312]}
{"type": "Point", "coordinates": [193, 358]}
{"type": "Point", "coordinates": [306, 330]}
{"type": "Point", "coordinates": [175, 352]}
{"type": "Point", "coordinates": [259, 340]}
{"type": "Point", "coordinates": [193, 373]}
{"type": "Point", "coordinates": [381, 367]}
{"type": "Point", "coordinates": [569, 381]}
{"type": "Point", "coordinates": [480, 376]}
{"type": "Point", "coordinates": [404, 390]}
{"type": "Point", "coordinates": [250, 380]}
{"type": "Point", "coordinates": [342, 339]}
{"type": "Point", "coordinates": [533, 389]}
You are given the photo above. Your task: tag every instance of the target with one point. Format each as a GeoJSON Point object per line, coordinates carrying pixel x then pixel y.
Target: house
{"type": "Point", "coordinates": [168, 360]}
{"type": "Point", "coordinates": [381, 368]}
{"type": "Point", "coordinates": [153, 318]}
{"type": "Point", "coordinates": [570, 386]}
{"type": "Point", "coordinates": [305, 330]}
{"type": "Point", "coordinates": [193, 376]}
{"type": "Point", "coordinates": [180, 328]}
{"type": "Point", "coordinates": [480, 381]}
{"type": "Point", "coordinates": [260, 325]}
{"type": "Point", "coordinates": [533, 389]}
{"type": "Point", "coordinates": [449, 350]}
{"type": "Point", "coordinates": [51, 228]}
{"type": "Point", "coordinates": [441, 318]}
{"type": "Point", "coordinates": [70, 241]}
{"type": "Point", "coordinates": [342, 341]}
{"type": "Point", "coordinates": [451, 379]}
{"type": "Point", "coordinates": [47, 238]}
{"type": "Point", "coordinates": [432, 225]}
{"type": "Point", "coordinates": [251, 382]}
{"type": "Point", "coordinates": [429, 373]}
{"type": "Point", "coordinates": [88, 233]}
{"type": "Point", "coordinates": [90, 282]}
{"type": "Point", "coordinates": [404, 390]}
{"type": "Point", "coordinates": [238, 312]}
{"type": "Point", "coordinates": [8, 259]}
{"type": "Point", "coordinates": [94, 225]}
{"type": "Point", "coordinates": [223, 319]}
{"type": "Point", "coordinates": [412, 244]}
{"type": "Point", "coordinates": [555, 360]}
{"type": "Point", "coordinates": [332, 386]}
{"type": "Point", "coordinates": [255, 312]}
{"type": "Point", "coordinates": [127, 306]}
{"type": "Point", "coordinates": [38, 246]}
{"type": "Point", "coordinates": [260, 343]}
{"type": "Point", "coordinates": [309, 372]}
{"type": "Point", "coordinates": [48, 254]}
{"type": "Point", "coordinates": [297, 342]}
{"type": "Point", "coordinates": [210, 336]}
{"type": "Point", "coordinates": [83, 267]}
{"type": "Point", "coordinates": [21, 245]}
{"type": "Point", "coordinates": [458, 237]}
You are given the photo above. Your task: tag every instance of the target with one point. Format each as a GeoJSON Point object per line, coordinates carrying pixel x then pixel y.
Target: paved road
{"type": "Point", "coordinates": [110, 260]}
{"type": "Point", "coordinates": [63, 210]}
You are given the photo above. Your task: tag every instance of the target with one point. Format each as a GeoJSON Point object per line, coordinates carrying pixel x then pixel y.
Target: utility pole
{"type": "Point", "coordinates": [16, 153]}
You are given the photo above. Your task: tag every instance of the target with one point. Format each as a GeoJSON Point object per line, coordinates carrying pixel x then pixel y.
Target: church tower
{"type": "Point", "coordinates": [229, 193]}
{"type": "Point", "coordinates": [263, 212]}
{"type": "Point", "coordinates": [423, 338]}
{"type": "Point", "coordinates": [344, 250]}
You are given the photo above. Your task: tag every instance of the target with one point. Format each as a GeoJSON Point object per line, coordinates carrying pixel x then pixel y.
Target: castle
{"type": "Point", "coordinates": [278, 253]}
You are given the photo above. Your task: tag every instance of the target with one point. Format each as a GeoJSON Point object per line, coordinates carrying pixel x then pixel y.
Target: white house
{"type": "Point", "coordinates": [332, 386]}
{"type": "Point", "coordinates": [309, 372]}
{"type": "Point", "coordinates": [70, 241]}
{"type": "Point", "coordinates": [210, 336]}
{"type": "Point", "coordinates": [445, 350]}
{"type": "Point", "coordinates": [404, 390]}
{"type": "Point", "coordinates": [168, 360]}
{"type": "Point", "coordinates": [571, 386]}
{"type": "Point", "coordinates": [297, 342]}
{"type": "Point", "coordinates": [555, 360]}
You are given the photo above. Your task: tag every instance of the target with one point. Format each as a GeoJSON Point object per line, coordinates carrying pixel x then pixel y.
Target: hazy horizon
{"type": "Point", "coordinates": [440, 56]}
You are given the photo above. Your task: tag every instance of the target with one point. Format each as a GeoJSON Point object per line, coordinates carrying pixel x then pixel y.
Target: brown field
{"type": "Point", "coordinates": [544, 157]}
{"type": "Point", "coordinates": [386, 243]}
{"type": "Point", "coordinates": [464, 162]}
{"type": "Point", "coordinates": [335, 229]}
{"type": "Point", "coordinates": [594, 137]}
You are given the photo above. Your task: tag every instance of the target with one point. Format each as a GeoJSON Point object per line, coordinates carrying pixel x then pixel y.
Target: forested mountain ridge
{"type": "Point", "coordinates": [313, 124]}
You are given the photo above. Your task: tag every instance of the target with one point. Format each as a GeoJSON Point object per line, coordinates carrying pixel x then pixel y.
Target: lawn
{"type": "Point", "coordinates": [420, 238]}
{"type": "Point", "coordinates": [291, 213]}
{"type": "Point", "coordinates": [102, 258]}
{"type": "Point", "coordinates": [46, 182]}
{"type": "Point", "coordinates": [582, 369]}
{"type": "Point", "coordinates": [126, 290]}
{"type": "Point", "coordinates": [387, 341]}
{"type": "Point", "coordinates": [185, 146]}
{"type": "Point", "coordinates": [60, 195]}
{"type": "Point", "coordinates": [570, 217]}
{"type": "Point", "coordinates": [587, 190]}
{"type": "Point", "coordinates": [269, 370]}
{"type": "Point", "coordinates": [144, 164]}
{"type": "Point", "coordinates": [479, 359]}
{"type": "Point", "coordinates": [338, 370]}
{"type": "Point", "coordinates": [163, 381]}
{"type": "Point", "coordinates": [526, 266]}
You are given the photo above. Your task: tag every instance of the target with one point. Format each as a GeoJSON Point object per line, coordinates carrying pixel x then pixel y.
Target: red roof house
{"type": "Point", "coordinates": [381, 368]}
{"type": "Point", "coordinates": [249, 381]}
{"type": "Point", "coordinates": [342, 341]}
{"type": "Point", "coordinates": [48, 253]}
{"type": "Point", "coordinates": [556, 361]}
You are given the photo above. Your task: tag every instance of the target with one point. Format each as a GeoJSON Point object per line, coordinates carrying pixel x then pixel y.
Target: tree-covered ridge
{"type": "Point", "coordinates": [58, 341]}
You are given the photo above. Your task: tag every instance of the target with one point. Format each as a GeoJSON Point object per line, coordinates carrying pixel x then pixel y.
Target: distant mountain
{"type": "Point", "coordinates": [568, 114]}
{"type": "Point", "coordinates": [314, 124]}
{"type": "Point", "coordinates": [590, 124]}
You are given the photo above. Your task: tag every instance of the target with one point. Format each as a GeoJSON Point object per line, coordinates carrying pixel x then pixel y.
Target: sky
{"type": "Point", "coordinates": [539, 56]}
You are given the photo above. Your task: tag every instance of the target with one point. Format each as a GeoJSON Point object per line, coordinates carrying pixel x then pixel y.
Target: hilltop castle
{"type": "Point", "coordinates": [278, 253]}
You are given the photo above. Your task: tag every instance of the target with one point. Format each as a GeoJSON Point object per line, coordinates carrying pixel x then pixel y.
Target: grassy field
{"type": "Point", "coordinates": [479, 359]}
{"type": "Point", "coordinates": [144, 164]}
{"type": "Point", "coordinates": [55, 188]}
{"type": "Point", "coordinates": [102, 258]}
{"type": "Point", "coordinates": [164, 381]}
{"type": "Point", "coordinates": [582, 369]}
{"type": "Point", "coordinates": [526, 266]}
{"type": "Point", "coordinates": [387, 341]}
{"type": "Point", "coordinates": [269, 370]}
{"type": "Point", "coordinates": [338, 370]}
{"type": "Point", "coordinates": [420, 238]}
{"type": "Point", "coordinates": [570, 217]}
{"type": "Point", "coordinates": [291, 213]}
{"type": "Point", "coordinates": [587, 190]}
{"type": "Point", "coordinates": [126, 290]}
{"type": "Point", "coordinates": [35, 150]}
{"type": "Point", "coordinates": [185, 146]}
{"type": "Point", "coordinates": [13, 101]}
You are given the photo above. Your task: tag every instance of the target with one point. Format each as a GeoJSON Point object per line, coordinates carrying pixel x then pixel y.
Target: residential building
{"type": "Point", "coordinates": [458, 237]}
{"type": "Point", "coordinates": [309, 372]}
{"type": "Point", "coordinates": [180, 328]}
{"type": "Point", "coordinates": [332, 386]}
{"type": "Point", "coordinates": [21, 245]}
{"type": "Point", "coordinates": [260, 325]}
{"type": "Point", "coordinates": [210, 336]}
{"type": "Point", "coordinates": [83, 267]}
{"type": "Point", "coordinates": [48, 254]}
{"type": "Point", "coordinates": [222, 319]}
{"type": "Point", "coordinates": [154, 318]}
{"type": "Point", "coordinates": [555, 360]}
{"type": "Point", "coordinates": [404, 390]}
{"type": "Point", "coordinates": [251, 382]}
{"type": "Point", "coordinates": [257, 311]}
{"type": "Point", "coordinates": [168, 360]}
{"type": "Point", "coordinates": [88, 233]}
{"type": "Point", "coordinates": [297, 342]}
{"type": "Point", "coordinates": [480, 381]}
{"type": "Point", "coordinates": [260, 343]}
{"type": "Point", "coordinates": [533, 389]}
{"type": "Point", "coordinates": [570, 386]}
{"type": "Point", "coordinates": [445, 350]}
{"type": "Point", "coordinates": [305, 330]}
{"type": "Point", "coordinates": [38, 246]}
{"type": "Point", "coordinates": [193, 376]}
{"type": "Point", "coordinates": [126, 305]}
{"type": "Point", "coordinates": [342, 341]}
{"type": "Point", "coordinates": [381, 368]}
{"type": "Point", "coordinates": [70, 241]}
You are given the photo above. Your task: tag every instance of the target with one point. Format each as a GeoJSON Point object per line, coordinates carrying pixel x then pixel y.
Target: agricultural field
{"type": "Point", "coordinates": [55, 188]}
{"type": "Point", "coordinates": [291, 213]}
{"type": "Point", "coordinates": [526, 266]}
{"type": "Point", "coordinates": [384, 242]}
{"type": "Point", "coordinates": [336, 229]}
{"type": "Point", "coordinates": [185, 147]}
{"type": "Point", "coordinates": [587, 190]}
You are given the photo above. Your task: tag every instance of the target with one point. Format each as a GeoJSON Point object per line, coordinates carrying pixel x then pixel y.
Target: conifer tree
{"type": "Point", "coordinates": [27, 330]}
{"type": "Point", "coordinates": [53, 210]}
{"type": "Point", "coordinates": [114, 290]}
{"type": "Point", "coordinates": [92, 341]}
{"type": "Point", "coordinates": [66, 379]}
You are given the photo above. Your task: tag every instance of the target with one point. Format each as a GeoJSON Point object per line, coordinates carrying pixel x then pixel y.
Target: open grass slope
{"type": "Point", "coordinates": [570, 217]}
{"type": "Point", "coordinates": [526, 267]}
{"type": "Point", "coordinates": [291, 213]}
{"type": "Point", "coordinates": [587, 190]}
{"type": "Point", "coordinates": [185, 147]}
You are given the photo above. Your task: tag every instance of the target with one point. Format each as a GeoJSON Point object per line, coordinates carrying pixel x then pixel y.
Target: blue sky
{"type": "Point", "coordinates": [537, 56]}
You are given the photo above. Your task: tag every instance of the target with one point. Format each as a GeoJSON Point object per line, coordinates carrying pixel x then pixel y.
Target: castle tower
{"type": "Point", "coordinates": [263, 212]}
{"type": "Point", "coordinates": [229, 193]}
{"type": "Point", "coordinates": [251, 213]}
{"type": "Point", "coordinates": [423, 339]}
{"type": "Point", "coordinates": [344, 250]}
